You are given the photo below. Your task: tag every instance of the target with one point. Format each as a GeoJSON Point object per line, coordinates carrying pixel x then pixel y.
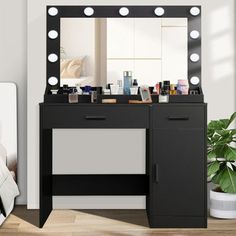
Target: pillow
{"type": "Point", "coordinates": [71, 68]}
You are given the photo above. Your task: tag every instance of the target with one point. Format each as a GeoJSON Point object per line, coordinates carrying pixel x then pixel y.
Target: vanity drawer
{"type": "Point", "coordinates": [179, 116]}
{"type": "Point", "coordinates": [94, 116]}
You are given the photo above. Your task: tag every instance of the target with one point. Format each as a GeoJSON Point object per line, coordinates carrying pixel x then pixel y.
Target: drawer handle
{"type": "Point", "coordinates": [178, 118]}
{"type": "Point", "coordinates": [95, 117]}
{"type": "Point", "coordinates": [156, 173]}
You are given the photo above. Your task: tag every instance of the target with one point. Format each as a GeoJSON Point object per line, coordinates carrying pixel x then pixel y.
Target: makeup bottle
{"type": "Point", "coordinates": [73, 96]}
{"type": "Point", "coordinates": [79, 90]}
{"type": "Point", "coordinates": [65, 89]}
{"type": "Point", "coordinates": [173, 89]}
{"type": "Point", "coordinates": [121, 89]}
{"type": "Point", "coordinates": [127, 82]}
{"type": "Point", "coordinates": [166, 86]}
{"type": "Point", "coordinates": [163, 96]}
{"type": "Point", "coordinates": [94, 96]}
{"type": "Point", "coordinates": [134, 88]}
{"type": "Point", "coordinates": [157, 86]}
{"type": "Point", "coordinates": [87, 90]}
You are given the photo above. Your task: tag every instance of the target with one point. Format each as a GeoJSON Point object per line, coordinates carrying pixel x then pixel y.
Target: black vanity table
{"type": "Point", "coordinates": [175, 179]}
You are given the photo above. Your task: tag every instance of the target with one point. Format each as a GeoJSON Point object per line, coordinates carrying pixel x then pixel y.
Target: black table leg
{"type": "Point", "coordinates": [45, 207]}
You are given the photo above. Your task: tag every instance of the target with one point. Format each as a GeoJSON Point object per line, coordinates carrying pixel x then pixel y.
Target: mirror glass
{"type": "Point", "coordinates": [96, 51]}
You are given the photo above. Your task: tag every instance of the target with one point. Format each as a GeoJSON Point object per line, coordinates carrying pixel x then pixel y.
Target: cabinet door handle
{"type": "Point", "coordinates": [95, 117]}
{"type": "Point", "coordinates": [156, 173]}
{"type": "Point", "coordinates": [178, 118]}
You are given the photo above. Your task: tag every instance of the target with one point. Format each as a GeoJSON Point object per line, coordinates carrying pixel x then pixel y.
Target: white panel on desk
{"type": "Point", "coordinates": [99, 202]}
{"type": "Point", "coordinates": [99, 151]}
{"type": "Point", "coordinates": [174, 22]}
{"type": "Point", "coordinates": [8, 123]}
{"type": "Point", "coordinates": [120, 37]}
{"type": "Point", "coordinates": [174, 53]}
{"type": "Point", "coordinates": [115, 69]}
{"type": "Point", "coordinates": [147, 71]}
{"type": "Point", "coordinates": [147, 38]}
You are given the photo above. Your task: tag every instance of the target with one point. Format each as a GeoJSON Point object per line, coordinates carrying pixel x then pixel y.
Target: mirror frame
{"type": "Point", "coordinates": [53, 23]}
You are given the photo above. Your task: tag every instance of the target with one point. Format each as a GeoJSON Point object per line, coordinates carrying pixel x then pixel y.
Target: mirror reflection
{"type": "Point", "coordinates": [97, 51]}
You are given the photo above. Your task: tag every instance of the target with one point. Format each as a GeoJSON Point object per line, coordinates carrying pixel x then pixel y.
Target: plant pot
{"type": "Point", "coordinates": [222, 205]}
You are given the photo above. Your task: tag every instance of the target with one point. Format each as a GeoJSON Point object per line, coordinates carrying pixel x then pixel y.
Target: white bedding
{"type": "Point", "coordinates": [8, 191]}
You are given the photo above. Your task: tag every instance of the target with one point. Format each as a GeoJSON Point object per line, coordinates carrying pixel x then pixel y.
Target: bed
{"type": "Point", "coordinates": [8, 148]}
{"type": "Point", "coordinates": [8, 186]}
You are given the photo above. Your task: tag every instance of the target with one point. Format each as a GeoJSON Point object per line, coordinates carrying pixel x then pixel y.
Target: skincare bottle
{"type": "Point", "coordinates": [121, 89]}
{"type": "Point", "coordinates": [127, 82]}
{"type": "Point", "coordinates": [173, 89]}
{"type": "Point", "coordinates": [94, 96]}
{"type": "Point", "coordinates": [87, 90]}
{"type": "Point", "coordinates": [157, 88]}
{"type": "Point", "coordinates": [134, 88]}
{"type": "Point", "coordinates": [166, 86]}
{"type": "Point", "coordinates": [135, 83]}
{"type": "Point", "coordinates": [79, 90]}
{"type": "Point", "coordinates": [65, 89]}
{"type": "Point", "coordinates": [164, 96]}
{"type": "Point", "coordinates": [73, 96]}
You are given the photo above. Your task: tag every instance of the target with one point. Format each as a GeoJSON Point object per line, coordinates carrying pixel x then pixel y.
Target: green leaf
{"type": "Point", "coordinates": [230, 153]}
{"type": "Point", "coordinates": [228, 181]}
{"type": "Point", "coordinates": [211, 154]}
{"type": "Point", "coordinates": [217, 125]}
{"type": "Point", "coordinates": [220, 150]}
{"type": "Point", "coordinates": [233, 116]}
{"type": "Point", "coordinates": [213, 168]}
{"type": "Point", "coordinates": [216, 178]}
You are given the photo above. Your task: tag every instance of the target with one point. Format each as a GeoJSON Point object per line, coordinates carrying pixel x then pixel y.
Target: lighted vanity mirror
{"type": "Point", "coordinates": [94, 45]}
{"type": "Point", "coordinates": [96, 51]}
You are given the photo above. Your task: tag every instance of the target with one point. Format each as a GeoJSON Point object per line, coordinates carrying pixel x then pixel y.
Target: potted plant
{"type": "Point", "coordinates": [222, 167]}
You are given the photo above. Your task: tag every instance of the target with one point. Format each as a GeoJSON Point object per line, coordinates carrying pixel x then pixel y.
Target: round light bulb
{"type": "Point", "coordinates": [52, 11]}
{"type": "Point", "coordinates": [194, 11]}
{"type": "Point", "coordinates": [124, 11]}
{"type": "Point", "coordinates": [159, 11]}
{"type": "Point", "coordinates": [53, 80]}
{"type": "Point", "coordinates": [195, 80]}
{"type": "Point", "coordinates": [194, 34]}
{"type": "Point", "coordinates": [52, 34]}
{"type": "Point", "coordinates": [53, 57]}
{"type": "Point", "coordinates": [88, 11]}
{"type": "Point", "coordinates": [194, 57]}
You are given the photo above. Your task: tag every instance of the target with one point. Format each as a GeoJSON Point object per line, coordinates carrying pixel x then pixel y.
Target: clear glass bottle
{"type": "Point", "coordinates": [127, 82]}
{"type": "Point", "coordinates": [73, 96]}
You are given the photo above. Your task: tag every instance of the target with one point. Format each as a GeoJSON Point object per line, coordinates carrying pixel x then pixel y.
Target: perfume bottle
{"type": "Point", "coordinates": [73, 96]}
{"type": "Point", "coordinates": [173, 90]}
{"type": "Point", "coordinates": [164, 95]}
{"type": "Point", "coordinates": [127, 82]}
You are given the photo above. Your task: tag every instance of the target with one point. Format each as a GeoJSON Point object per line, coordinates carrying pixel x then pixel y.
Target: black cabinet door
{"type": "Point", "coordinates": [177, 185]}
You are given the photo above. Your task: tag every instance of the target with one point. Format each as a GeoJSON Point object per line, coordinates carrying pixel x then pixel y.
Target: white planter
{"type": "Point", "coordinates": [222, 205]}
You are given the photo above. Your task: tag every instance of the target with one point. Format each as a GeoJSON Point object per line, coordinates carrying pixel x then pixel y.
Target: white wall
{"type": "Point", "coordinates": [218, 71]}
{"type": "Point", "coordinates": [13, 25]}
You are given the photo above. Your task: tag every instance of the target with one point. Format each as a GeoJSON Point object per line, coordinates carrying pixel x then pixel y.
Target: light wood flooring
{"type": "Point", "coordinates": [23, 222]}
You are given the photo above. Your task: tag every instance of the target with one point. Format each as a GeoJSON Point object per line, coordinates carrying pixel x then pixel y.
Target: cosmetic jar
{"type": "Point", "coordinates": [134, 90]}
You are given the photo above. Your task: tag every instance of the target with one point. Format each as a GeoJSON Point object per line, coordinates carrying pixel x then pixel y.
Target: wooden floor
{"type": "Point", "coordinates": [101, 222]}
